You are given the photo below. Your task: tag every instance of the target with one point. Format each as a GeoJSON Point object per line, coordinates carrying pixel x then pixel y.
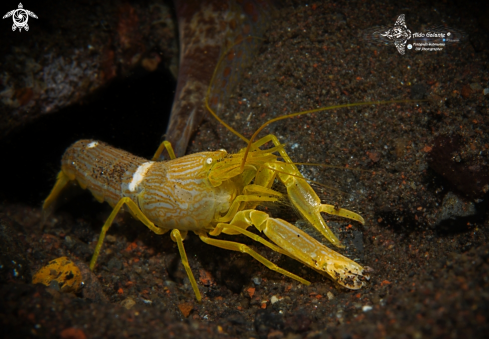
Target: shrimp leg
{"type": "Point", "coordinates": [61, 182]}
{"type": "Point", "coordinates": [169, 149]}
{"type": "Point", "coordinates": [235, 246]}
{"type": "Point", "coordinates": [302, 247]}
{"type": "Point", "coordinates": [135, 212]}
{"type": "Point", "coordinates": [177, 237]}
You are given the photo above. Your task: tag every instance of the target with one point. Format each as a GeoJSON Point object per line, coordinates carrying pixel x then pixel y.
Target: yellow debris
{"type": "Point", "coordinates": [62, 270]}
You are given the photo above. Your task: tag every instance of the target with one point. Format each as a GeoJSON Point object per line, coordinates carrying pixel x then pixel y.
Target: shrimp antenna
{"type": "Point", "coordinates": [232, 130]}
{"type": "Point", "coordinates": [288, 116]}
{"type": "Point", "coordinates": [291, 115]}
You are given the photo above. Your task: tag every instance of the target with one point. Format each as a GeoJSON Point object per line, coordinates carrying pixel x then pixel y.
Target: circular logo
{"type": "Point", "coordinates": [409, 46]}
{"type": "Point", "coordinates": [20, 17]}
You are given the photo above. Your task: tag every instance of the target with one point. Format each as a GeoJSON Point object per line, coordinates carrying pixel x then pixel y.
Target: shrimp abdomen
{"type": "Point", "coordinates": [100, 168]}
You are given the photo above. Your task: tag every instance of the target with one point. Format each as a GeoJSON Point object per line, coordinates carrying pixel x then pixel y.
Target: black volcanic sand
{"type": "Point", "coordinates": [431, 271]}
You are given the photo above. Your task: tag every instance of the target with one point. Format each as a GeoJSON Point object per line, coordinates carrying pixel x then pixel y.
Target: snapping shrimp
{"type": "Point", "coordinates": [210, 193]}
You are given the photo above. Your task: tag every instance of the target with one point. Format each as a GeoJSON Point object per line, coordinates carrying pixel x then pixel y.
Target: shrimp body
{"type": "Point", "coordinates": [173, 194]}
{"type": "Point", "coordinates": [211, 193]}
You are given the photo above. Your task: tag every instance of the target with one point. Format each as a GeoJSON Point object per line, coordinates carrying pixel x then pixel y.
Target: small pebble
{"type": "Point", "coordinates": [110, 238]}
{"type": "Point", "coordinates": [454, 209]}
{"type": "Point", "coordinates": [475, 86]}
{"type": "Point", "coordinates": [128, 303]}
{"type": "Point", "coordinates": [330, 295]}
{"type": "Point", "coordinates": [69, 242]}
{"type": "Point", "coordinates": [169, 283]}
{"type": "Point", "coordinates": [54, 284]}
{"type": "Point", "coordinates": [273, 299]}
{"type": "Point", "coordinates": [256, 280]}
{"type": "Point", "coordinates": [115, 263]}
{"type": "Point", "coordinates": [366, 308]}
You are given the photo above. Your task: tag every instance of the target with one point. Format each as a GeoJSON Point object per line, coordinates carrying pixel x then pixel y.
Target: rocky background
{"type": "Point", "coordinates": [417, 172]}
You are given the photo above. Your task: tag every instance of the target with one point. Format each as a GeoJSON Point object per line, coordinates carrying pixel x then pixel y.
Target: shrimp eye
{"type": "Point", "coordinates": [208, 161]}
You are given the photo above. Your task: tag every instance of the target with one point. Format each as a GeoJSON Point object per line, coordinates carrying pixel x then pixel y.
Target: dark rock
{"type": "Point", "coordinates": [92, 289]}
{"type": "Point", "coordinates": [266, 321]}
{"type": "Point", "coordinates": [54, 284]}
{"type": "Point", "coordinates": [455, 213]}
{"type": "Point", "coordinates": [234, 317]}
{"type": "Point", "coordinates": [114, 263]}
{"type": "Point", "coordinates": [298, 322]}
{"type": "Point", "coordinates": [83, 231]}
{"type": "Point", "coordinates": [237, 323]}
{"type": "Point", "coordinates": [358, 241]}
{"type": "Point", "coordinates": [418, 92]}
{"type": "Point", "coordinates": [466, 175]}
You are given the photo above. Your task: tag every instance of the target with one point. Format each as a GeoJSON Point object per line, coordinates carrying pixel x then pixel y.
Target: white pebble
{"type": "Point", "coordinates": [367, 308]}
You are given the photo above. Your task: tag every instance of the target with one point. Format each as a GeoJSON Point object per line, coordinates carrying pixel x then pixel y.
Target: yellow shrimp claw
{"type": "Point", "coordinates": [306, 201]}
{"type": "Point", "coordinates": [341, 212]}
{"type": "Point", "coordinates": [300, 193]}
{"type": "Point", "coordinates": [306, 249]}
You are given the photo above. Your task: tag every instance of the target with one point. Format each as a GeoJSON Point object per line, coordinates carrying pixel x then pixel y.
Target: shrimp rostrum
{"type": "Point", "coordinates": [210, 193]}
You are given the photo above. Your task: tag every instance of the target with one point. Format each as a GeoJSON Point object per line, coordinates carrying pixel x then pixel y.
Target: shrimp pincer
{"type": "Point", "coordinates": [210, 193]}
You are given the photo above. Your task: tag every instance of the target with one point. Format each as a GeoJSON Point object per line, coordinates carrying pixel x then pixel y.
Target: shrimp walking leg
{"type": "Point", "coordinates": [136, 212]}
{"type": "Point", "coordinates": [302, 247]}
{"type": "Point", "coordinates": [61, 182]}
{"type": "Point", "coordinates": [235, 246]}
{"type": "Point", "coordinates": [272, 197]}
{"type": "Point", "coordinates": [231, 229]}
{"type": "Point", "coordinates": [169, 149]}
{"type": "Point", "coordinates": [177, 237]}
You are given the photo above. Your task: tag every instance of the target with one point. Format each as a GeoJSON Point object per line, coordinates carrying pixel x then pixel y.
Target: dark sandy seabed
{"type": "Point", "coordinates": [421, 185]}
